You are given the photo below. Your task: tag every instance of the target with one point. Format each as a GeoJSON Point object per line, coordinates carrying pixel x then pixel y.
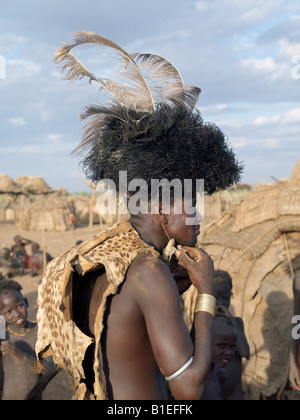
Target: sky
{"type": "Point", "coordinates": [244, 55]}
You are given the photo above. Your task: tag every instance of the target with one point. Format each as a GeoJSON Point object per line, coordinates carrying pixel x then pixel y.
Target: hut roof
{"type": "Point", "coordinates": [296, 171]}
{"type": "Point", "coordinates": [33, 185]}
{"type": "Point", "coordinates": [7, 185]}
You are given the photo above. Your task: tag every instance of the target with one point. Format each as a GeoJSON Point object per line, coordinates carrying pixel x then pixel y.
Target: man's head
{"type": "Point", "coordinates": [171, 143]}
{"type": "Point", "coordinates": [13, 306]}
{"type": "Point", "coordinates": [150, 132]}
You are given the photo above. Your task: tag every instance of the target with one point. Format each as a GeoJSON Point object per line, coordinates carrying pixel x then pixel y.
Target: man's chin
{"type": "Point", "coordinates": [192, 243]}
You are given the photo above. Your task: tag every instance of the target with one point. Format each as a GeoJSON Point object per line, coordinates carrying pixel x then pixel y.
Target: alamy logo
{"type": "Point", "coordinates": [296, 329]}
{"type": "Point", "coordinates": [137, 197]}
{"type": "Point", "coordinates": [2, 67]}
{"type": "Point", "coordinates": [296, 68]}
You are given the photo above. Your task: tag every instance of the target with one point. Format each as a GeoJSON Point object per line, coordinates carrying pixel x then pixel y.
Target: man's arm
{"type": "Point", "coordinates": [158, 298]}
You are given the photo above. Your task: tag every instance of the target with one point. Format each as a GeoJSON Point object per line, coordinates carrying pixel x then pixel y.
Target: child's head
{"type": "Point", "coordinates": [223, 288]}
{"type": "Point", "coordinates": [35, 248]}
{"type": "Point", "coordinates": [13, 306]}
{"type": "Point", "coordinates": [224, 340]}
{"type": "Point", "coordinates": [5, 253]}
{"type": "Point", "coordinates": [18, 239]}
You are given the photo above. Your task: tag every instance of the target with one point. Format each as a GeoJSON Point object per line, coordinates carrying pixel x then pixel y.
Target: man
{"type": "Point", "coordinates": [110, 309]}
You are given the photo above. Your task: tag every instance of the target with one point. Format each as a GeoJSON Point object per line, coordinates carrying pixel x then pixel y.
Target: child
{"type": "Point", "coordinates": [223, 349]}
{"type": "Point", "coordinates": [17, 350]}
{"type": "Point", "coordinates": [232, 386]}
{"type": "Point", "coordinates": [20, 257]}
{"type": "Point", "coordinates": [39, 260]}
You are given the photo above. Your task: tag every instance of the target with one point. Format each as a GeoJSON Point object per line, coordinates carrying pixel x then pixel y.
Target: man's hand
{"type": "Point", "coordinates": [181, 277]}
{"type": "Point", "coordinates": [200, 268]}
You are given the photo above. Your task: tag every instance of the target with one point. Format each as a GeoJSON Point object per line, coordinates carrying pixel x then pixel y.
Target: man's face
{"type": "Point", "coordinates": [184, 222]}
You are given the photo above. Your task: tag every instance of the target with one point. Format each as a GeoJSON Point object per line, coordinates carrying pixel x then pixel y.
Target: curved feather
{"type": "Point", "coordinates": [135, 91]}
{"type": "Point", "coordinates": [98, 116]}
{"type": "Point", "coordinates": [169, 82]}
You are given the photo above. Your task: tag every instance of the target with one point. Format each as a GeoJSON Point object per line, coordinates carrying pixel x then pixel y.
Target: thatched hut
{"type": "Point", "coordinates": [11, 190]}
{"type": "Point", "coordinates": [49, 213]}
{"type": "Point", "coordinates": [257, 242]}
{"type": "Point", "coordinates": [32, 185]}
{"type": "Point", "coordinates": [7, 185]}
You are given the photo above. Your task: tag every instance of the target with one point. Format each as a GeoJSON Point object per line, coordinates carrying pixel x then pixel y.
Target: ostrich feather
{"type": "Point", "coordinates": [135, 90]}
{"type": "Point", "coordinates": [168, 82]}
{"type": "Point", "coordinates": [144, 80]}
{"type": "Point", "coordinates": [97, 117]}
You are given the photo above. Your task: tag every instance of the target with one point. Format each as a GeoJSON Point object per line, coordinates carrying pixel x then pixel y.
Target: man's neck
{"type": "Point", "coordinates": [150, 230]}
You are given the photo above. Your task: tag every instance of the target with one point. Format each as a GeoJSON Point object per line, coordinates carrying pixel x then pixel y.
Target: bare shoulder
{"type": "Point", "coordinates": [148, 261]}
{"type": "Point", "coordinates": [148, 268]}
{"type": "Point", "coordinates": [150, 280]}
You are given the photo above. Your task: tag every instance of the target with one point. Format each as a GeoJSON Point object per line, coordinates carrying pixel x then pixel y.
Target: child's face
{"type": "Point", "coordinates": [14, 309]}
{"type": "Point", "coordinates": [224, 346]}
{"type": "Point", "coordinates": [223, 294]}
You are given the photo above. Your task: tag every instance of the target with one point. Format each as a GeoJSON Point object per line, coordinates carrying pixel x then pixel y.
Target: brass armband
{"type": "Point", "coordinates": [206, 303]}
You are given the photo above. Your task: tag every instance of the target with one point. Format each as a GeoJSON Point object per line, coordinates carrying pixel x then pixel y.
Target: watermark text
{"type": "Point", "coordinates": [2, 67]}
{"type": "Point", "coordinates": [296, 328]}
{"type": "Point", "coordinates": [138, 197]}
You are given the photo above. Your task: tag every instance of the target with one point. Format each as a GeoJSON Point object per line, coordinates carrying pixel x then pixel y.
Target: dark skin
{"type": "Point", "coordinates": [17, 352]}
{"type": "Point", "coordinates": [232, 386]}
{"type": "Point", "coordinates": [20, 244]}
{"type": "Point", "coordinates": [223, 350]}
{"type": "Point", "coordinates": [145, 337]}
{"type": "Point", "coordinates": [38, 260]}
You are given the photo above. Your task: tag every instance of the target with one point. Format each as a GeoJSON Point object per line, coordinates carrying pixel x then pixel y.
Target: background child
{"type": "Point", "coordinates": [17, 350]}
{"type": "Point", "coordinates": [232, 386]}
{"type": "Point", "coordinates": [223, 349]}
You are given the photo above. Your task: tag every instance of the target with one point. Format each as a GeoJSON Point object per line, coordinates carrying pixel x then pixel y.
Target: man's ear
{"type": "Point", "coordinates": [156, 208]}
{"type": "Point", "coordinates": [26, 302]}
{"type": "Point", "coordinates": [163, 216]}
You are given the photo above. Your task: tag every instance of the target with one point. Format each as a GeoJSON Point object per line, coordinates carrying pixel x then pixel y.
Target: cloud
{"type": "Point", "coordinates": [262, 65]}
{"type": "Point", "coordinates": [290, 117]}
{"type": "Point", "coordinates": [18, 121]}
{"type": "Point", "coordinates": [54, 138]}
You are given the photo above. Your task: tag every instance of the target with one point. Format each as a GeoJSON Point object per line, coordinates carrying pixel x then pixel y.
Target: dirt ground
{"type": "Point", "coordinates": [55, 243]}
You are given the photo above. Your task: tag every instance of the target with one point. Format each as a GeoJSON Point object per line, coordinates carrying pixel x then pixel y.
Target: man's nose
{"type": "Point", "coordinates": [199, 216]}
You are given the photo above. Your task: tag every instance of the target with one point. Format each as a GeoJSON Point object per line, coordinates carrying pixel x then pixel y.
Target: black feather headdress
{"type": "Point", "coordinates": [150, 128]}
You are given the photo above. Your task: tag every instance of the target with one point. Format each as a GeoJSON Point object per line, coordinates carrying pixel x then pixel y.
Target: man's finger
{"type": "Point", "coordinates": [183, 258]}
